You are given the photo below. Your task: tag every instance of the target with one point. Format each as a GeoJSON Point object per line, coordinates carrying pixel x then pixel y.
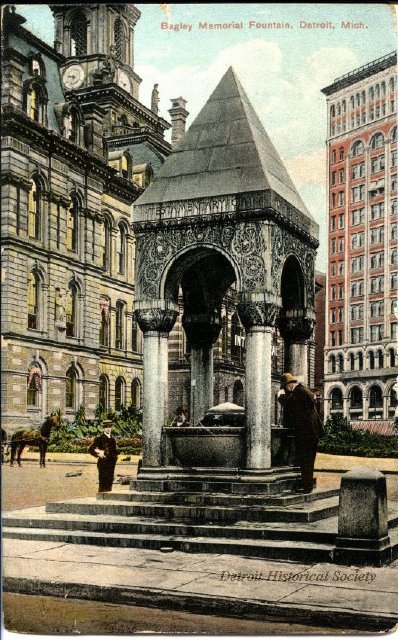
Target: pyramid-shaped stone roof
{"type": "Point", "coordinates": [226, 150]}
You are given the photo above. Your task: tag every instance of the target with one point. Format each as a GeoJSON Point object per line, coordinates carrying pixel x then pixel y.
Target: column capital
{"type": "Point", "coordinates": [156, 319]}
{"type": "Point", "coordinates": [258, 314]}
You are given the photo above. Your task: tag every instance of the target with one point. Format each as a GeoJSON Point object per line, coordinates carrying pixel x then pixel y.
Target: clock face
{"type": "Point", "coordinates": [123, 81]}
{"type": "Point", "coordinates": [73, 76]}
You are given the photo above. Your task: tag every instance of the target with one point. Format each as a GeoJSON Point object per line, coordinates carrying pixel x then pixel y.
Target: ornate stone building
{"type": "Point", "coordinates": [78, 148]}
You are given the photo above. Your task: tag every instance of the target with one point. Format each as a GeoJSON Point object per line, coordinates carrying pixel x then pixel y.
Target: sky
{"type": "Point", "coordinates": [281, 69]}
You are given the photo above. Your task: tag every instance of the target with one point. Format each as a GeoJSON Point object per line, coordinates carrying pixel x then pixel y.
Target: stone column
{"type": "Point", "coordinates": [202, 331]}
{"type": "Point", "coordinates": [297, 327]}
{"type": "Point", "coordinates": [156, 323]}
{"type": "Point", "coordinates": [258, 318]}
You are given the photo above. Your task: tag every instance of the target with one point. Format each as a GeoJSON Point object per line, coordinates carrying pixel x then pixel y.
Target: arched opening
{"type": "Point", "coordinates": [292, 286]}
{"type": "Point", "coordinates": [120, 386]}
{"type": "Point", "coordinates": [78, 34]}
{"type": "Point", "coordinates": [238, 397]}
{"type": "Point", "coordinates": [336, 400]}
{"type": "Point", "coordinates": [356, 402]}
{"type": "Point", "coordinates": [103, 397]}
{"type": "Point", "coordinates": [33, 300]}
{"type": "Point", "coordinates": [136, 393]}
{"type": "Point", "coordinates": [70, 389]}
{"type": "Point", "coordinates": [375, 402]}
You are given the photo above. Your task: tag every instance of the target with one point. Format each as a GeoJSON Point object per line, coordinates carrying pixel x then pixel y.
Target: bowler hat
{"type": "Point", "coordinates": [286, 379]}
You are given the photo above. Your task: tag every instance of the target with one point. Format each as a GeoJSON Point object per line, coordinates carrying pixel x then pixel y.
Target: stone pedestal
{"type": "Point", "coordinates": [363, 521]}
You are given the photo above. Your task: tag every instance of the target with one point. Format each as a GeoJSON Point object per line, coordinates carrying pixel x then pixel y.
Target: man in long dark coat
{"type": "Point", "coordinates": [300, 415]}
{"type": "Point", "coordinates": [104, 448]}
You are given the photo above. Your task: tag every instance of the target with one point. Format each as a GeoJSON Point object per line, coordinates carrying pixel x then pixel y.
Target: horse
{"type": "Point", "coordinates": [4, 446]}
{"type": "Point", "coordinates": [40, 438]}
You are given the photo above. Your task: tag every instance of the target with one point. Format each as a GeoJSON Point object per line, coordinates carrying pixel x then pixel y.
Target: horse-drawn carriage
{"type": "Point", "coordinates": [32, 438]}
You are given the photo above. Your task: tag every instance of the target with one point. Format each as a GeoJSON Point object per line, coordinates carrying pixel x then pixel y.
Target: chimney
{"type": "Point", "coordinates": [178, 115]}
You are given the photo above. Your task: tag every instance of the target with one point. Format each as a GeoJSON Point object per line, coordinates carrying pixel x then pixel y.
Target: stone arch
{"type": "Point", "coordinates": [292, 284]}
{"type": "Point", "coordinates": [238, 397]}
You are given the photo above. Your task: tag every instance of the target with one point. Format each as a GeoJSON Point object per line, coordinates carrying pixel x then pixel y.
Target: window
{"type": "Point", "coordinates": [126, 166]}
{"type": "Point", "coordinates": [104, 323]}
{"type": "Point", "coordinates": [74, 132]}
{"type": "Point", "coordinates": [375, 397]}
{"type": "Point", "coordinates": [391, 353]}
{"type": "Point", "coordinates": [103, 398]}
{"type": "Point", "coordinates": [357, 240]}
{"type": "Point", "coordinates": [356, 335]}
{"type": "Point", "coordinates": [105, 244]}
{"type": "Point", "coordinates": [119, 394]}
{"type": "Point", "coordinates": [121, 250]}
{"type": "Point", "coordinates": [33, 301]}
{"type": "Point", "coordinates": [394, 231]}
{"type": "Point", "coordinates": [118, 38]}
{"type": "Point", "coordinates": [358, 193]}
{"type": "Point", "coordinates": [341, 176]}
{"type": "Point", "coordinates": [333, 293]}
{"type": "Point", "coordinates": [357, 312]}
{"type": "Point", "coordinates": [358, 170]}
{"type": "Point", "coordinates": [394, 183]}
{"type": "Point", "coordinates": [394, 281]}
{"type": "Point", "coordinates": [333, 200]}
{"type": "Point", "coordinates": [377, 309]}
{"type": "Point", "coordinates": [70, 391]}
{"type": "Point", "coordinates": [377, 163]}
{"type": "Point", "coordinates": [78, 34]}
{"type": "Point", "coordinates": [340, 199]}
{"type": "Point", "coordinates": [371, 360]}
{"type": "Point", "coordinates": [341, 268]}
{"type": "Point", "coordinates": [360, 360]}
{"type": "Point", "coordinates": [333, 157]}
{"type": "Point", "coordinates": [394, 210]}
{"type": "Point", "coordinates": [134, 336]}
{"type": "Point", "coordinates": [377, 284]}
{"type": "Point", "coordinates": [358, 148]}
{"type": "Point", "coordinates": [352, 362]}
{"type": "Point", "coordinates": [393, 330]}
{"type": "Point", "coordinates": [380, 359]}
{"type": "Point", "coordinates": [33, 385]}
{"type": "Point", "coordinates": [333, 178]}
{"type": "Point", "coordinates": [72, 224]}
{"type": "Point", "coordinates": [340, 363]}
{"type": "Point", "coordinates": [136, 393]}
{"type": "Point", "coordinates": [394, 256]}
{"type": "Point", "coordinates": [332, 316]}
{"type": "Point", "coordinates": [71, 308]}
{"type": "Point", "coordinates": [341, 221]}
{"type": "Point", "coordinates": [333, 223]}
{"type": "Point", "coordinates": [356, 397]}
{"type": "Point", "coordinates": [341, 154]}
{"type": "Point", "coordinates": [377, 211]}
{"type": "Point", "coordinates": [394, 134]}
{"type": "Point", "coordinates": [377, 141]}
{"type": "Point", "coordinates": [119, 338]}
{"type": "Point", "coordinates": [394, 158]}
{"type": "Point", "coordinates": [357, 288]}
{"type": "Point", "coordinates": [336, 398]}
{"type": "Point", "coordinates": [377, 260]}
{"type": "Point", "coordinates": [377, 235]}
{"type": "Point", "coordinates": [34, 218]}
{"type": "Point", "coordinates": [340, 245]}
{"type": "Point", "coordinates": [376, 332]}
{"type": "Point", "coordinates": [358, 216]}
{"type": "Point", "coordinates": [357, 264]}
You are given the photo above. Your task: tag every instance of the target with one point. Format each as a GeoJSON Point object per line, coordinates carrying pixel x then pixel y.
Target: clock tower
{"type": "Point", "coordinates": [98, 42]}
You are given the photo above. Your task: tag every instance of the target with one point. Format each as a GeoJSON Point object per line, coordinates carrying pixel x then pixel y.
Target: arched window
{"type": "Point", "coordinates": [380, 359]}
{"type": "Point", "coordinates": [37, 67]}
{"type": "Point", "coordinates": [332, 364]}
{"type": "Point", "coordinates": [340, 361]}
{"type": "Point", "coordinates": [74, 134]}
{"type": "Point", "coordinates": [119, 325]}
{"type": "Point", "coordinates": [78, 34]}
{"type": "Point", "coordinates": [238, 393]}
{"type": "Point", "coordinates": [119, 393]}
{"type": "Point", "coordinates": [394, 134]}
{"type": "Point", "coordinates": [392, 83]}
{"type": "Point", "coordinates": [226, 394]}
{"type": "Point", "coordinates": [371, 360]}
{"type": "Point", "coordinates": [34, 106]}
{"type": "Point", "coordinates": [392, 357]}
{"type": "Point", "coordinates": [121, 249]}
{"type": "Point", "coordinates": [392, 399]}
{"type": "Point", "coordinates": [356, 398]}
{"type": "Point", "coordinates": [352, 361]}
{"type": "Point", "coordinates": [360, 360]}
{"type": "Point", "coordinates": [71, 311]}
{"type": "Point", "coordinates": [136, 393]}
{"type": "Point", "coordinates": [34, 213]}
{"type": "Point", "coordinates": [126, 166]}
{"type": "Point", "coordinates": [383, 88]}
{"type": "Point", "coordinates": [104, 323]}
{"type": "Point", "coordinates": [375, 397]}
{"type": "Point", "coordinates": [332, 111]}
{"type": "Point", "coordinates": [371, 94]}
{"type": "Point", "coordinates": [103, 398]}
{"type": "Point", "coordinates": [358, 148]}
{"type": "Point", "coordinates": [70, 389]}
{"type": "Point", "coordinates": [336, 398]}
{"type": "Point", "coordinates": [72, 224]}
{"type": "Point", "coordinates": [33, 301]}
{"type": "Point", "coordinates": [377, 141]}
{"type": "Point", "coordinates": [33, 385]}
{"type": "Point", "coordinates": [363, 97]}
{"type": "Point", "coordinates": [105, 244]}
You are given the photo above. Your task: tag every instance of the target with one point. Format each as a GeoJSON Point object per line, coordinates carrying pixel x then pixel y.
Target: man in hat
{"type": "Point", "coordinates": [300, 414]}
{"type": "Point", "coordinates": [104, 448]}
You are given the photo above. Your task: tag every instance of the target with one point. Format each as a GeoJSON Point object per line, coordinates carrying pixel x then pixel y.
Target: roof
{"type": "Point", "coordinates": [226, 150]}
{"type": "Point", "coordinates": [366, 71]}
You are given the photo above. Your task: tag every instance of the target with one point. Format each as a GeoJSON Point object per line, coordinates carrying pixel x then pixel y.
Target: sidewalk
{"type": "Point", "coordinates": [223, 585]}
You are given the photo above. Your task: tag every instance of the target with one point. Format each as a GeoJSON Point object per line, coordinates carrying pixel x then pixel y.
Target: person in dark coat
{"type": "Point", "coordinates": [300, 415]}
{"type": "Point", "coordinates": [104, 448]}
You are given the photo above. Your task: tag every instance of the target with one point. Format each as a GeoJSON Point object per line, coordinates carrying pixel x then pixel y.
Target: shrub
{"type": "Point", "coordinates": [341, 439]}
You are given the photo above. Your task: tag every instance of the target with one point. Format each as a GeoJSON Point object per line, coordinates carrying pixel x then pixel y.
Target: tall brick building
{"type": "Point", "coordinates": [361, 364]}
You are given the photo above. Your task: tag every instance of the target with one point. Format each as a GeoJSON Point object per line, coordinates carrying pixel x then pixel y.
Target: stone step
{"type": "Point", "coordinates": [38, 518]}
{"type": "Point", "coordinates": [274, 485]}
{"type": "Point", "coordinates": [303, 512]}
{"type": "Point", "coordinates": [276, 549]}
{"type": "Point", "coordinates": [216, 499]}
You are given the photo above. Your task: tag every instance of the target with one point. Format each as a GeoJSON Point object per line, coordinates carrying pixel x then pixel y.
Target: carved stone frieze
{"type": "Point", "coordinates": [156, 319]}
{"type": "Point", "coordinates": [297, 329]}
{"type": "Point", "coordinates": [258, 314]}
{"type": "Point", "coordinates": [242, 241]}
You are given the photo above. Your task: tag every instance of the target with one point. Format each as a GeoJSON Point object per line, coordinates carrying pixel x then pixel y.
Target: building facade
{"type": "Point", "coordinates": [361, 364]}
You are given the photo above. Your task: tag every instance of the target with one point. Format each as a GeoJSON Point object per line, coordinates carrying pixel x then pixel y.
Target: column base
{"type": "Point", "coordinates": [363, 551]}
